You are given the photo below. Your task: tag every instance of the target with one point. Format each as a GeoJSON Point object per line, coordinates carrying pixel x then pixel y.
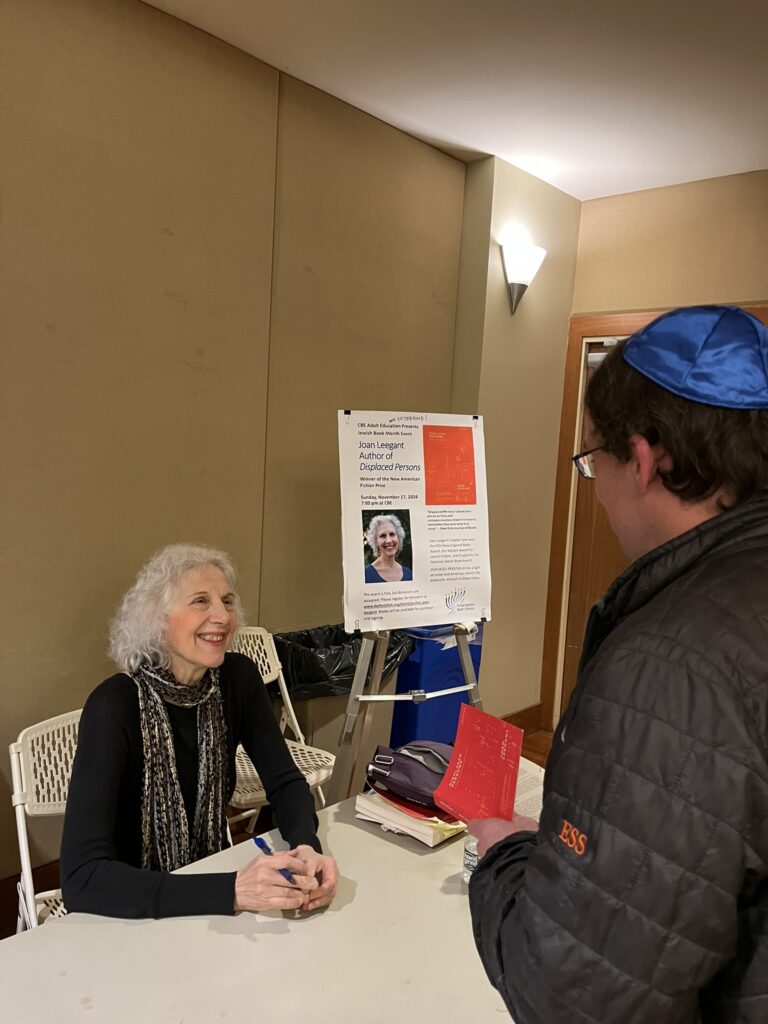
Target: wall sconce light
{"type": "Point", "coordinates": [521, 260]}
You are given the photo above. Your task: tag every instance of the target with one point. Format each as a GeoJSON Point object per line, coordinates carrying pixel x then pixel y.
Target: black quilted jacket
{"type": "Point", "coordinates": [644, 898]}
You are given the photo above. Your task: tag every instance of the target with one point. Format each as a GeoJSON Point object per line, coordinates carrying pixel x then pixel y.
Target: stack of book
{"type": "Point", "coordinates": [486, 778]}
{"type": "Point", "coordinates": [397, 815]}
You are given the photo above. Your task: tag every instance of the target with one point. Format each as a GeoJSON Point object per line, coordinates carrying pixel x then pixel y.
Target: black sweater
{"type": "Point", "coordinates": [101, 869]}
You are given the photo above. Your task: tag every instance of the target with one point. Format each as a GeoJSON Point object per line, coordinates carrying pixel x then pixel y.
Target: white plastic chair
{"type": "Point", "coordinates": [314, 764]}
{"type": "Point", "coordinates": [41, 766]}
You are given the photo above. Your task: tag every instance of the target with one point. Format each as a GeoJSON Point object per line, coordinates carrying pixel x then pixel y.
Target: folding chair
{"type": "Point", "coordinates": [41, 766]}
{"type": "Point", "coordinates": [314, 764]}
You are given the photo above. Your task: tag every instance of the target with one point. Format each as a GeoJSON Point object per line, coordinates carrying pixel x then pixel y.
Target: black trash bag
{"type": "Point", "coordinates": [321, 662]}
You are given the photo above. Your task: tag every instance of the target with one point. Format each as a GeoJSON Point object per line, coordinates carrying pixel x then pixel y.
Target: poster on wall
{"type": "Point", "coordinates": [414, 520]}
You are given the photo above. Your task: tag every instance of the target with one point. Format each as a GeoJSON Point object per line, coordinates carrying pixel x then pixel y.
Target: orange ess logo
{"type": "Point", "coordinates": [573, 838]}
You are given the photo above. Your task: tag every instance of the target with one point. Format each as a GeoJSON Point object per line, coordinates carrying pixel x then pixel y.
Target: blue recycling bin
{"type": "Point", "coordinates": [430, 667]}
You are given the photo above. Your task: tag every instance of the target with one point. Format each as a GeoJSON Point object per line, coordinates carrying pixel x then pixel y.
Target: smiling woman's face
{"type": "Point", "coordinates": [387, 540]}
{"type": "Point", "coordinates": [200, 623]}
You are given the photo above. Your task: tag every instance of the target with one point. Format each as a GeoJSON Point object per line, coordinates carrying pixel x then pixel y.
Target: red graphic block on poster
{"type": "Point", "coordinates": [481, 779]}
{"type": "Point", "coordinates": [449, 466]}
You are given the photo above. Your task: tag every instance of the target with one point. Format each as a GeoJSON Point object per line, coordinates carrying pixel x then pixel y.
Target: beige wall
{"type": "Point", "coordinates": [687, 244]}
{"type": "Point", "coordinates": [521, 360]}
{"type": "Point", "coordinates": [135, 299]}
{"type": "Point", "coordinates": [475, 261]}
{"type": "Point", "coordinates": [138, 370]}
{"type": "Point", "coordinates": [368, 225]}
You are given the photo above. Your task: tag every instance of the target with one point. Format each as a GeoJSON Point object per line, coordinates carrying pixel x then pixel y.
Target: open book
{"type": "Point", "coordinates": [395, 815]}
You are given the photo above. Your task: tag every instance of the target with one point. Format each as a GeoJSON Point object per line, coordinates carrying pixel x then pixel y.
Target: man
{"type": "Point", "coordinates": [643, 897]}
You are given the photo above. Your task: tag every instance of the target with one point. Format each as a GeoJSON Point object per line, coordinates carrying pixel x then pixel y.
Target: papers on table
{"type": "Point", "coordinates": [395, 815]}
{"type": "Point", "coordinates": [530, 789]}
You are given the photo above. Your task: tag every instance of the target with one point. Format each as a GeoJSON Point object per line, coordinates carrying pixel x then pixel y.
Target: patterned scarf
{"type": "Point", "coordinates": [166, 843]}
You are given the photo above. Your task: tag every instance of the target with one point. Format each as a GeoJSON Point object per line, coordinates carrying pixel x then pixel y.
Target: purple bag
{"type": "Point", "coordinates": [413, 771]}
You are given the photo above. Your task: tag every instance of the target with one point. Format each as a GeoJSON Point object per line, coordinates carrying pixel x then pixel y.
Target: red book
{"type": "Point", "coordinates": [481, 779]}
{"type": "Point", "coordinates": [413, 809]}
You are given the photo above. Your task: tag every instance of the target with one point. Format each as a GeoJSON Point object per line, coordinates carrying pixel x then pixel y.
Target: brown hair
{"type": "Point", "coordinates": [711, 448]}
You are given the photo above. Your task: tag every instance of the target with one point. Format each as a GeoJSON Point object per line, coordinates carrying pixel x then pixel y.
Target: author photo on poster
{"type": "Point", "coordinates": [387, 546]}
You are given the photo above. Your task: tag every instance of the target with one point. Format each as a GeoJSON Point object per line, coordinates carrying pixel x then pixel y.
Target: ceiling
{"type": "Point", "coordinates": [597, 98]}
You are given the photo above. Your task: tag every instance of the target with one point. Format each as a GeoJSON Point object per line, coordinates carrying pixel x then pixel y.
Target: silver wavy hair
{"type": "Point", "coordinates": [137, 632]}
{"type": "Point", "coordinates": [373, 529]}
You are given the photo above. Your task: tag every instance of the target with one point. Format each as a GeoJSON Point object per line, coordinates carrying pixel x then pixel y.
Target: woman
{"type": "Point", "coordinates": [385, 536]}
{"type": "Point", "coordinates": [155, 762]}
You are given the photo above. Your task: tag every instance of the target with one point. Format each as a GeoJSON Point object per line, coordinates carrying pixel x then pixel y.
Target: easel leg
{"type": "Point", "coordinates": [467, 667]}
{"type": "Point", "coordinates": [379, 656]}
{"type": "Point", "coordinates": [342, 769]}
{"type": "Point", "coordinates": [375, 647]}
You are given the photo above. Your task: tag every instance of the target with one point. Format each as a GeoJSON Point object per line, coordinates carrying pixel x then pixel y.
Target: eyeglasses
{"type": "Point", "coordinates": [584, 462]}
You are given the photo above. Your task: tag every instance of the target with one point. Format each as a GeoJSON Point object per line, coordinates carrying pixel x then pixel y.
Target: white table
{"type": "Point", "coordinates": [396, 945]}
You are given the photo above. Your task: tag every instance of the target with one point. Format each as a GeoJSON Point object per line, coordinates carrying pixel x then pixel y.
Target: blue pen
{"type": "Point", "coordinates": [264, 846]}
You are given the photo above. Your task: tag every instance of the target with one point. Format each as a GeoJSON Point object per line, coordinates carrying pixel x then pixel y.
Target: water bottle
{"type": "Point", "coordinates": [470, 857]}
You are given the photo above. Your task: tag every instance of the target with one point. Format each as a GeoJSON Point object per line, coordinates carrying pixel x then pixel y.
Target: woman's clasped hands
{"type": "Point", "coordinates": [324, 870]}
{"type": "Point", "coordinates": [260, 886]}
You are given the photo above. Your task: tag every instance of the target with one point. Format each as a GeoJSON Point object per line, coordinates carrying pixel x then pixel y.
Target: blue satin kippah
{"type": "Point", "coordinates": [716, 355]}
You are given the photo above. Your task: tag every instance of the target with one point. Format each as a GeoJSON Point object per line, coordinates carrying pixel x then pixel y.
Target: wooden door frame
{"type": "Point", "coordinates": [580, 328]}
